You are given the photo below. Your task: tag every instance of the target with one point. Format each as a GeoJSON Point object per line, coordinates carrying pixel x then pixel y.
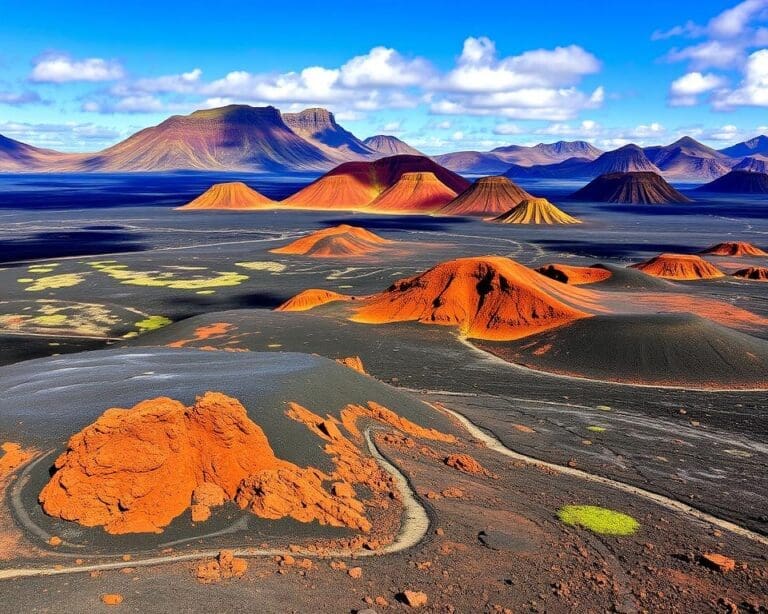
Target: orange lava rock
{"type": "Point", "coordinates": [353, 362]}
{"type": "Point", "coordinates": [200, 512]}
{"type": "Point", "coordinates": [13, 457]}
{"type": "Point", "coordinates": [452, 493]}
{"type": "Point", "coordinates": [718, 562]}
{"type": "Point", "coordinates": [342, 489]}
{"type": "Point", "coordinates": [55, 540]}
{"type": "Point", "coordinates": [466, 464]}
{"type": "Point", "coordinates": [487, 297]}
{"type": "Point", "coordinates": [309, 299]}
{"type": "Point", "coordinates": [216, 330]}
{"type": "Point", "coordinates": [223, 567]}
{"type": "Point", "coordinates": [522, 428]}
{"type": "Point", "coordinates": [209, 494]}
{"type": "Point", "coordinates": [414, 599]}
{"type": "Point", "coordinates": [136, 470]}
{"type": "Point", "coordinates": [680, 267]}
{"type": "Point", "coordinates": [112, 599]}
{"type": "Point", "coordinates": [355, 572]}
{"type": "Point", "coordinates": [338, 565]}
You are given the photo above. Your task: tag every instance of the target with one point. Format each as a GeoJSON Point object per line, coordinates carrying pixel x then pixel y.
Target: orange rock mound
{"type": "Point", "coordinates": [135, 470]}
{"type": "Point", "coordinates": [536, 211]}
{"type": "Point", "coordinates": [487, 298]}
{"type": "Point", "coordinates": [335, 242]}
{"type": "Point", "coordinates": [466, 464]}
{"type": "Point", "coordinates": [234, 195]}
{"type": "Point", "coordinates": [757, 273]}
{"type": "Point", "coordinates": [574, 275]}
{"type": "Point", "coordinates": [353, 362]}
{"type": "Point", "coordinates": [14, 456]}
{"type": "Point", "coordinates": [309, 299]}
{"type": "Point", "coordinates": [488, 196]}
{"type": "Point", "coordinates": [680, 267]}
{"type": "Point", "coordinates": [734, 248]}
{"type": "Point", "coordinates": [414, 193]}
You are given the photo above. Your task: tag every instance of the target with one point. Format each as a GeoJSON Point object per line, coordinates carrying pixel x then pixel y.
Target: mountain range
{"type": "Point", "coordinates": [262, 139]}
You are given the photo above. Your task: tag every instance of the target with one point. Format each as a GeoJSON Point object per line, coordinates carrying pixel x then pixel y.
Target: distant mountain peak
{"type": "Point", "coordinates": [389, 145]}
{"type": "Point", "coordinates": [319, 127]}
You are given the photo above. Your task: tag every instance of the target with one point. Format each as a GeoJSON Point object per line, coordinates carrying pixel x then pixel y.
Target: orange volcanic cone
{"type": "Point", "coordinates": [335, 242]}
{"type": "Point", "coordinates": [234, 195]}
{"type": "Point", "coordinates": [354, 185]}
{"type": "Point", "coordinates": [414, 193]}
{"type": "Point", "coordinates": [679, 266]}
{"type": "Point", "coordinates": [309, 299]}
{"type": "Point", "coordinates": [536, 211]}
{"type": "Point", "coordinates": [756, 273]}
{"type": "Point", "coordinates": [486, 298]}
{"type": "Point", "coordinates": [734, 248]}
{"type": "Point", "coordinates": [488, 196]}
{"type": "Point", "coordinates": [574, 275]}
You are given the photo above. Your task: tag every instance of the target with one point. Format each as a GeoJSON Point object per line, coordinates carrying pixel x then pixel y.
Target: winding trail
{"type": "Point", "coordinates": [414, 525]}
{"type": "Point", "coordinates": [671, 504]}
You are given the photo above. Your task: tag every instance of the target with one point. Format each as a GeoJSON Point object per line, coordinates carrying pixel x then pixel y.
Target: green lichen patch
{"type": "Point", "coordinates": [598, 519]}
{"type": "Point", "coordinates": [153, 323]}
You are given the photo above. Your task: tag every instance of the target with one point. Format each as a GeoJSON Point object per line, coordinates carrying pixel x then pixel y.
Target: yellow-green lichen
{"type": "Point", "coordinates": [158, 279]}
{"type": "Point", "coordinates": [51, 282]}
{"type": "Point", "coordinates": [56, 319]}
{"type": "Point", "coordinates": [596, 429]}
{"type": "Point", "coordinates": [598, 519]}
{"type": "Point", "coordinates": [153, 323]}
{"type": "Point", "coordinates": [263, 265]}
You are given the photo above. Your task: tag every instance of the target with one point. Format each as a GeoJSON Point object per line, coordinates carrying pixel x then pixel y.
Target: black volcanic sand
{"type": "Point", "coordinates": [663, 349]}
{"type": "Point", "coordinates": [431, 360]}
{"type": "Point", "coordinates": [46, 401]}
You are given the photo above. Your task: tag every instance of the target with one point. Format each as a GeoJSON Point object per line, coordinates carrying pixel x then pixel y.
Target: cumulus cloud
{"type": "Point", "coordinates": [684, 91]}
{"type": "Point", "coordinates": [753, 89]}
{"type": "Point", "coordinates": [61, 68]}
{"type": "Point", "coordinates": [507, 129]}
{"type": "Point", "coordinates": [536, 84]}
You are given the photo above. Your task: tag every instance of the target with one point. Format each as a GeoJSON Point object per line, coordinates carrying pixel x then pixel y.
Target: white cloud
{"type": "Point", "coordinates": [62, 68]}
{"type": "Point", "coordinates": [395, 127]}
{"type": "Point", "coordinates": [684, 91]}
{"type": "Point", "coordinates": [734, 21]}
{"type": "Point", "coordinates": [716, 54]}
{"type": "Point", "coordinates": [587, 129]}
{"type": "Point", "coordinates": [507, 129]}
{"type": "Point", "coordinates": [479, 70]}
{"type": "Point", "coordinates": [66, 136]}
{"type": "Point", "coordinates": [753, 89]}
{"type": "Point", "coordinates": [384, 67]}
{"type": "Point", "coordinates": [20, 98]}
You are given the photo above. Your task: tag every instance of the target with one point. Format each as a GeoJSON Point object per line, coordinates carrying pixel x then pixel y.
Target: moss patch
{"type": "Point", "coordinates": [153, 323]}
{"type": "Point", "coordinates": [51, 282]}
{"type": "Point", "coordinates": [263, 265]}
{"type": "Point", "coordinates": [57, 319]}
{"type": "Point", "coordinates": [596, 429]}
{"type": "Point", "coordinates": [167, 279]}
{"type": "Point", "coordinates": [598, 519]}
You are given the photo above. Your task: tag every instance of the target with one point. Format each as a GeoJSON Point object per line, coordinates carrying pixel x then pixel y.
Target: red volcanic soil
{"type": "Point", "coordinates": [486, 298]}
{"type": "Point", "coordinates": [135, 470]}
{"type": "Point", "coordinates": [488, 196]}
{"type": "Point", "coordinates": [574, 275]}
{"type": "Point", "coordinates": [680, 267]}
{"type": "Point", "coordinates": [354, 185]}
{"type": "Point", "coordinates": [234, 195]}
{"type": "Point", "coordinates": [13, 457]}
{"type": "Point", "coordinates": [414, 193]}
{"type": "Point", "coordinates": [337, 241]}
{"type": "Point", "coordinates": [734, 248]}
{"type": "Point", "coordinates": [309, 299]}
{"type": "Point", "coordinates": [535, 211]}
{"type": "Point", "coordinates": [756, 273]}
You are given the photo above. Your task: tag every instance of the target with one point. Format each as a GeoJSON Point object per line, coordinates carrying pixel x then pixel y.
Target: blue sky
{"type": "Point", "coordinates": [82, 75]}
